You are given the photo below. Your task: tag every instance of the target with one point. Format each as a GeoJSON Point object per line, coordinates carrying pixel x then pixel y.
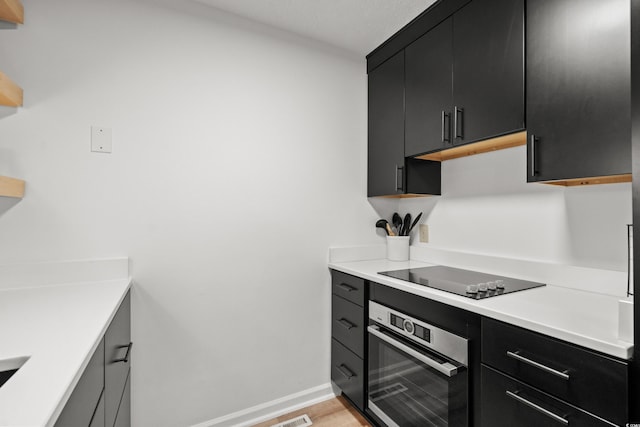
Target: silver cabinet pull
{"type": "Point", "coordinates": [445, 368]}
{"type": "Point", "coordinates": [516, 356]}
{"type": "Point", "coordinates": [538, 408]}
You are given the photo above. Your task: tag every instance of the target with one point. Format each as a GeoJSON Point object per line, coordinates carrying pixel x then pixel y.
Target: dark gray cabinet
{"type": "Point", "coordinates": [465, 78]}
{"type": "Point", "coordinates": [571, 381]}
{"type": "Point", "coordinates": [429, 62]}
{"type": "Point", "coordinates": [388, 172]}
{"type": "Point", "coordinates": [578, 88]}
{"type": "Point", "coordinates": [81, 406]}
{"type": "Point", "coordinates": [348, 326]}
{"type": "Point", "coordinates": [386, 128]}
{"type": "Point", "coordinates": [101, 396]}
{"type": "Point", "coordinates": [117, 341]}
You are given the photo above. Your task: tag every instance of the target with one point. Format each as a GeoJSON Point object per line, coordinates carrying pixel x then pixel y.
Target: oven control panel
{"type": "Point", "coordinates": [427, 335]}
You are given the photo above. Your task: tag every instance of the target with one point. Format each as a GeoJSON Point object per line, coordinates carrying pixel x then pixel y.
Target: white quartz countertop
{"type": "Point", "coordinates": [58, 328]}
{"type": "Point", "coordinates": [579, 317]}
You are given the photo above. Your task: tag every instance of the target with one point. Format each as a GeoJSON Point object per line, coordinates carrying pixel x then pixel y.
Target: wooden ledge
{"type": "Point", "coordinates": [12, 11]}
{"type": "Point", "coordinates": [493, 144]}
{"type": "Point", "coordinates": [611, 179]}
{"type": "Point", "coordinates": [11, 187]}
{"type": "Point", "coordinates": [405, 196]}
{"type": "Point", "coordinates": [10, 93]}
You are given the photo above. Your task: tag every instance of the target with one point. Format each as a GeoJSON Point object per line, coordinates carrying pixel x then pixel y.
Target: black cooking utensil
{"type": "Point", "coordinates": [415, 221]}
{"type": "Point", "coordinates": [384, 224]}
{"type": "Point", "coordinates": [405, 227]}
{"type": "Point", "coordinates": [397, 222]}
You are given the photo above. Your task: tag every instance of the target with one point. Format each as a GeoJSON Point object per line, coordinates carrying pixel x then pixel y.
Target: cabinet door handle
{"type": "Point", "coordinates": [125, 359]}
{"type": "Point", "coordinates": [534, 166]}
{"type": "Point", "coordinates": [346, 324]}
{"type": "Point", "coordinates": [346, 287]}
{"type": "Point", "coordinates": [345, 371]}
{"type": "Point", "coordinates": [458, 123]}
{"type": "Point", "coordinates": [400, 181]}
{"type": "Point", "coordinates": [445, 138]}
{"type": "Point", "coordinates": [516, 355]}
{"type": "Point", "coordinates": [548, 413]}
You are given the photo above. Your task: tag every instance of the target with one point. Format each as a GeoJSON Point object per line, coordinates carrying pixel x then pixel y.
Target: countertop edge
{"type": "Point", "coordinates": [621, 350]}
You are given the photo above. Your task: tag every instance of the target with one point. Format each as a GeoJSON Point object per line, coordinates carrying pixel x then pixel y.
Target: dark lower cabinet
{"type": "Point", "coordinates": [507, 402]}
{"type": "Point", "coordinates": [568, 375]}
{"type": "Point", "coordinates": [123, 419]}
{"type": "Point", "coordinates": [81, 406]}
{"type": "Point", "coordinates": [98, 415]}
{"type": "Point", "coordinates": [102, 396]}
{"type": "Point", "coordinates": [348, 326]}
{"type": "Point", "coordinates": [117, 359]}
{"type": "Point", "coordinates": [578, 88]}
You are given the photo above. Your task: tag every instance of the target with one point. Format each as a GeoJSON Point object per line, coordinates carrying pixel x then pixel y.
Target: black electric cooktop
{"type": "Point", "coordinates": [471, 284]}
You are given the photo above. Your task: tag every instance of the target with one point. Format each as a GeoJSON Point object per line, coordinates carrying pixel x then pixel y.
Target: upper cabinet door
{"type": "Point", "coordinates": [386, 173]}
{"type": "Point", "coordinates": [488, 69]}
{"type": "Point", "coordinates": [428, 91]}
{"type": "Point", "coordinates": [578, 88]}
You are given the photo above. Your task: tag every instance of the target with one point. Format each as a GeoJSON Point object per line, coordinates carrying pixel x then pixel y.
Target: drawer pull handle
{"type": "Point", "coordinates": [346, 287]}
{"type": "Point", "coordinates": [346, 324]}
{"type": "Point", "coordinates": [538, 408]}
{"type": "Point", "coordinates": [515, 355]}
{"type": "Point", "coordinates": [345, 371]}
{"type": "Point", "coordinates": [125, 359]}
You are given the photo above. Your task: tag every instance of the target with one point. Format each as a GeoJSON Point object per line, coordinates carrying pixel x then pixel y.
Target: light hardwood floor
{"type": "Point", "coordinates": [331, 413]}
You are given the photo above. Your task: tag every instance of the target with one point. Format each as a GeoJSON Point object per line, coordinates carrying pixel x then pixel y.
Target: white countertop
{"type": "Point", "coordinates": [583, 318]}
{"type": "Point", "coordinates": [58, 327]}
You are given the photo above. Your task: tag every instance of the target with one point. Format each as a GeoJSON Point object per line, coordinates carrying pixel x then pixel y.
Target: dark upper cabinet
{"type": "Point", "coordinates": [465, 78]}
{"type": "Point", "coordinates": [428, 90]}
{"type": "Point", "coordinates": [386, 128]}
{"type": "Point", "coordinates": [578, 88]}
{"type": "Point", "coordinates": [488, 70]}
{"type": "Point", "coordinates": [389, 173]}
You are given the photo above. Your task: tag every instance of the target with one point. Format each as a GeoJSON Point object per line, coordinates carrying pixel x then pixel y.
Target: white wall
{"type": "Point", "coordinates": [487, 208]}
{"type": "Point", "coordinates": [239, 157]}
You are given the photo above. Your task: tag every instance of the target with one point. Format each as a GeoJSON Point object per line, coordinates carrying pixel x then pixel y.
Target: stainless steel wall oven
{"type": "Point", "coordinates": [417, 372]}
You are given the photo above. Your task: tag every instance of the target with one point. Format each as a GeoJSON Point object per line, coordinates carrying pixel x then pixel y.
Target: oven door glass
{"type": "Point", "coordinates": [410, 386]}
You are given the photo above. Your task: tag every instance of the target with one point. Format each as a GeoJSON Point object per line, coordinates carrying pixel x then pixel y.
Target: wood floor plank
{"type": "Point", "coordinates": [335, 412]}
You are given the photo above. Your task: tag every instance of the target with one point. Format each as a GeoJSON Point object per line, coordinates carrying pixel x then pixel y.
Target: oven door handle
{"type": "Point", "coordinates": [445, 368]}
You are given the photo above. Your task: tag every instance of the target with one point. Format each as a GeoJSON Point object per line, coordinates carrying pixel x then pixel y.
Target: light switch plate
{"type": "Point", "coordinates": [424, 233]}
{"type": "Point", "coordinates": [101, 139]}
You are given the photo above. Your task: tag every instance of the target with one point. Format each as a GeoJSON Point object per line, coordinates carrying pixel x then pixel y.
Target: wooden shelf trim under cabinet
{"type": "Point", "coordinates": [488, 145]}
{"type": "Point", "coordinates": [611, 179]}
{"type": "Point", "coordinates": [11, 187]}
{"type": "Point", "coordinates": [10, 93]}
{"type": "Point", "coordinates": [12, 11]}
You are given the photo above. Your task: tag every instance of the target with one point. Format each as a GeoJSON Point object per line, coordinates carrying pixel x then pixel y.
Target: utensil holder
{"type": "Point", "coordinates": [398, 248]}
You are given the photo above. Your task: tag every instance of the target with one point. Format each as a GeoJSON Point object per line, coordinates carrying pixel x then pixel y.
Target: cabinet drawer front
{"type": "Point", "coordinates": [508, 402]}
{"type": "Point", "coordinates": [591, 381]}
{"type": "Point", "coordinates": [347, 371]}
{"type": "Point", "coordinates": [117, 340]}
{"type": "Point", "coordinates": [348, 287]}
{"type": "Point", "coordinates": [347, 324]}
{"type": "Point", "coordinates": [84, 399]}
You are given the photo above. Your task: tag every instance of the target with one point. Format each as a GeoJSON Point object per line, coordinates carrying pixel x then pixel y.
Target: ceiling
{"type": "Point", "coordinates": [358, 26]}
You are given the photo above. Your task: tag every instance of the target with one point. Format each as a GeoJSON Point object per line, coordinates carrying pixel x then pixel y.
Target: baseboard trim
{"type": "Point", "coordinates": [275, 408]}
